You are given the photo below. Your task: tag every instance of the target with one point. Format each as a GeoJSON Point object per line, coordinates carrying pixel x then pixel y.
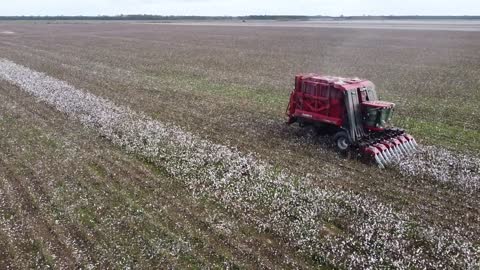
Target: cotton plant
{"type": "Point", "coordinates": [335, 226]}
{"type": "Point", "coordinates": [444, 166]}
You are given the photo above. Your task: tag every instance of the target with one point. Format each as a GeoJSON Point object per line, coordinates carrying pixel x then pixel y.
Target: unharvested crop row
{"type": "Point", "coordinates": [337, 227]}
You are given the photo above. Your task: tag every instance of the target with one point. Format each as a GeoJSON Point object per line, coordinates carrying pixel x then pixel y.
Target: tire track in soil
{"type": "Point", "coordinates": [389, 186]}
{"type": "Point", "coordinates": [73, 91]}
{"type": "Point", "coordinates": [36, 189]}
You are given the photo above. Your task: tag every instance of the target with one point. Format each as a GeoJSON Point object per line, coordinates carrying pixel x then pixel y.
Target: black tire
{"type": "Point", "coordinates": [300, 122]}
{"type": "Point", "coordinates": [342, 141]}
{"type": "Point", "coordinates": [322, 129]}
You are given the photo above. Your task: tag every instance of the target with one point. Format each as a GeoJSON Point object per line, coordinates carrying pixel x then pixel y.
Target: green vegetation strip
{"type": "Point", "coordinates": [442, 132]}
{"type": "Point", "coordinates": [365, 233]}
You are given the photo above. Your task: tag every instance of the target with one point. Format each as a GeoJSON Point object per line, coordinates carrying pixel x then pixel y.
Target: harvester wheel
{"type": "Point", "coordinates": [342, 141]}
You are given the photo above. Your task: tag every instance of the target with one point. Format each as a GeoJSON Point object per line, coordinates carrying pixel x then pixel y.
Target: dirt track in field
{"type": "Point", "coordinates": [69, 199]}
{"type": "Point", "coordinates": [141, 67]}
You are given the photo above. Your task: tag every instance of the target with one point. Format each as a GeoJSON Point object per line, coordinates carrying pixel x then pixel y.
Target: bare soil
{"type": "Point", "coordinates": [229, 85]}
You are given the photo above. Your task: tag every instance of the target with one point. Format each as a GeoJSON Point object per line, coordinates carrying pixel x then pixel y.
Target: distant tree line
{"type": "Point", "coordinates": [251, 17]}
{"type": "Point", "coordinates": [156, 17]}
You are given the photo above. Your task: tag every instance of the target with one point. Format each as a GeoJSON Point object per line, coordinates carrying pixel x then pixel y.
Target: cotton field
{"type": "Point", "coordinates": [274, 200]}
{"type": "Point", "coordinates": [196, 173]}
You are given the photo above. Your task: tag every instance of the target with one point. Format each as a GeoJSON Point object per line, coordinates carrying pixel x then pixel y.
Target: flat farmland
{"type": "Point", "coordinates": [74, 195]}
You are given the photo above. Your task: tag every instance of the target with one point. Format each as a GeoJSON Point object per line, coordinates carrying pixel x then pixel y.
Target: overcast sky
{"type": "Point", "coordinates": [240, 7]}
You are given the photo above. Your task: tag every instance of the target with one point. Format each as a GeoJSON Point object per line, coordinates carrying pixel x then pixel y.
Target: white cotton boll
{"type": "Point", "coordinates": [341, 228]}
{"type": "Point", "coordinates": [444, 166]}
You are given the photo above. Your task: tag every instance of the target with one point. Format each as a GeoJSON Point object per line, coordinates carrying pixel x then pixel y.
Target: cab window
{"type": "Point", "coordinates": [362, 93]}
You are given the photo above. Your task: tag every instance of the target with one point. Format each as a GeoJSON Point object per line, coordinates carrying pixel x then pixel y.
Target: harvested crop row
{"type": "Point", "coordinates": [334, 226]}
{"type": "Point", "coordinates": [444, 166]}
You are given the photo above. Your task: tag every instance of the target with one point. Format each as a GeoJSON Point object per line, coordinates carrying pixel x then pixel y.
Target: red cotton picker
{"type": "Point", "coordinates": [349, 109]}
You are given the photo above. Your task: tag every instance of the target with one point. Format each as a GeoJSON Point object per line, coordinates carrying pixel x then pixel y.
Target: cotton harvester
{"type": "Point", "coordinates": [349, 110]}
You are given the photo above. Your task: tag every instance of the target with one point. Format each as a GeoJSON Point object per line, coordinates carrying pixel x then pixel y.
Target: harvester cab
{"type": "Point", "coordinates": [351, 111]}
{"type": "Point", "coordinates": [377, 114]}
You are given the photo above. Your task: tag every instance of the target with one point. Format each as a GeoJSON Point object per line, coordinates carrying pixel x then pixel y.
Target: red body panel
{"type": "Point", "coordinates": [321, 98]}
{"type": "Point", "coordinates": [378, 104]}
{"type": "Point", "coordinates": [353, 106]}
